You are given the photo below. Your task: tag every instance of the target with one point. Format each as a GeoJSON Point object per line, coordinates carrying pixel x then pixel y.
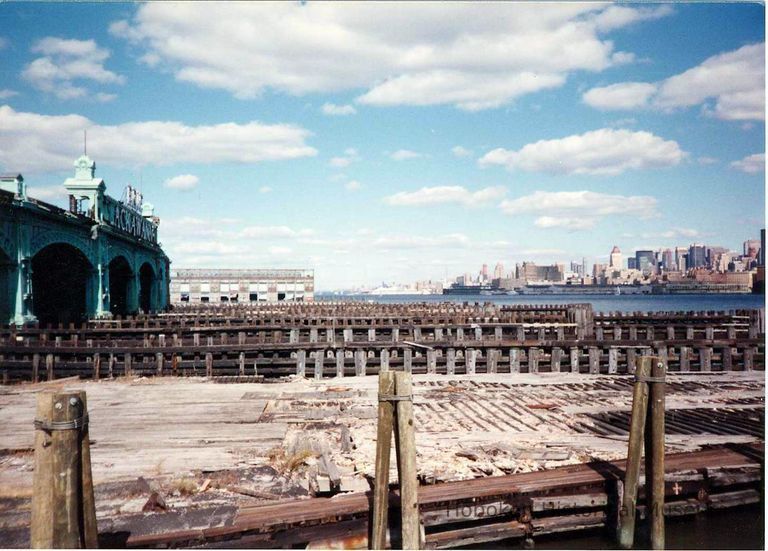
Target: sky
{"type": "Point", "coordinates": [394, 142]}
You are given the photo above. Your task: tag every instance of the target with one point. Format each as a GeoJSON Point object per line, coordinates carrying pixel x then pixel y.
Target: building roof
{"type": "Point", "coordinates": [615, 250]}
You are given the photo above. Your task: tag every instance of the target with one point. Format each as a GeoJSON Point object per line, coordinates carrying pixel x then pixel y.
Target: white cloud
{"type": "Point", "coordinates": [600, 152]}
{"type": "Point", "coordinates": [47, 193]}
{"type": "Point", "coordinates": [338, 110]}
{"type": "Point", "coordinates": [674, 233]}
{"type": "Point", "coordinates": [31, 142]}
{"type": "Point", "coordinates": [625, 95]}
{"type": "Point", "coordinates": [182, 182]}
{"type": "Point", "coordinates": [262, 232]}
{"type": "Point", "coordinates": [353, 185]}
{"type": "Point", "coordinates": [473, 57]}
{"type": "Point", "coordinates": [404, 155]}
{"type": "Point", "coordinates": [734, 81]}
{"type": "Point", "coordinates": [565, 222]}
{"type": "Point", "coordinates": [444, 195]}
{"type": "Point", "coordinates": [752, 164]}
{"type": "Point", "coordinates": [265, 189]}
{"type": "Point", "coordinates": [65, 62]}
{"type": "Point", "coordinates": [6, 93]}
{"type": "Point", "coordinates": [350, 156]}
{"type": "Point", "coordinates": [578, 210]}
{"type": "Point", "coordinates": [459, 151]}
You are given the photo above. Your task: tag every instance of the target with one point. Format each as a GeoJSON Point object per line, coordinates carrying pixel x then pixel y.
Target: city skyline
{"type": "Point", "coordinates": [368, 150]}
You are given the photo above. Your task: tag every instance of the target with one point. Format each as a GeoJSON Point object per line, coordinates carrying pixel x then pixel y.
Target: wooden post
{"type": "Point", "coordinates": [208, 364]}
{"type": "Point", "coordinates": [613, 360]}
{"type": "Point", "coordinates": [574, 359]}
{"type": "Point", "coordinates": [35, 367]}
{"type": "Point", "coordinates": [319, 361]}
{"type": "Point", "coordinates": [383, 450]}
{"type": "Point", "coordinates": [407, 360]}
{"type": "Point", "coordinates": [514, 360]}
{"type": "Point", "coordinates": [492, 360]}
{"type": "Point", "coordinates": [159, 360]}
{"type": "Point", "coordinates": [450, 362]}
{"type": "Point", "coordinates": [556, 356]}
{"type": "Point", "coordinates": [49, 366]}
{"type": "Point", "coordinates": [431, 362]}
{"type": "Point", "coordinates": [470, 358]}
{"type": "Point", "coordinates": [628, 509]}
{"type": "Point", "coordinates": [654, 453]}
{"type": "Point", "coordinates": [384, 360]}
{"type": "Point", "coordinates": [301, 362]}
{"type": "Point", "coordinates": [594, 360]}
{"type": "Point", "coordinates": [63, 508]}
{"type": "Point", "coordinates": [127, 365]}
{"type": "Point", "coordinates": [533, 360]}
{"type": "Point", "coordinates": [406, 443]}
{"type": "Point", "coordinates": [360, 361]}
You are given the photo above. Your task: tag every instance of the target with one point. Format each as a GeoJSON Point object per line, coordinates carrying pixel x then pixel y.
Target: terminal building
{"type": "Point", "coordinates": [195, 286]}
{"type": "Point", "coordinates": [98, 259]}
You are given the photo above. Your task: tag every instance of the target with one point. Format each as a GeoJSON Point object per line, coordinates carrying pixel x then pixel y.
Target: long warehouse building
{"type": "Point", "coordinates": [241, 286]}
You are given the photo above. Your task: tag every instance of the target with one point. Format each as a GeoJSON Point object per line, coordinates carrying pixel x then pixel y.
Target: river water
{"type": "Point", "coordinates": [737, 528]}
{"type": "Point", "coordinates": [600, 303]}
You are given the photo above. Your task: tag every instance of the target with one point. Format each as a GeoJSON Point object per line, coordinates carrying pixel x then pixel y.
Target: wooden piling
{"type": "Point", "coordinates": [628, 509]}
{"type": "Point", "coordinates": [383, 451]}
{"type": "Point", "coordinates": [63, 509]}
{"type": "Point", "coordinates": [409, 483]}
{"type": "Point", "coordinates": [654, 453]}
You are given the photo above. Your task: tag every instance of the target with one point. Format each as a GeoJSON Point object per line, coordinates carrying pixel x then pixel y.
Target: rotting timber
{"type": "Point", "coordinates": [490, 509]}
{"type": "Point", "coordinates": [341, 339]}
{"type": "Point", "coordinates": [494, 387]}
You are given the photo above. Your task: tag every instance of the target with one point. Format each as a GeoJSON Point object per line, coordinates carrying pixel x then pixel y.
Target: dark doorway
{"type": "Point", "coordinates": [7, 288]}
{"type": "Point", "coordinates": [119, 286]}
{"type": "Point", "coordinates": [146, 280]}
{"type": "Point", "coordinates": [59, 282]}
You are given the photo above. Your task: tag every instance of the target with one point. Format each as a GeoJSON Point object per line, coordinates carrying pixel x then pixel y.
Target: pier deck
{"type": "Point", "coordinates": [260, 443]}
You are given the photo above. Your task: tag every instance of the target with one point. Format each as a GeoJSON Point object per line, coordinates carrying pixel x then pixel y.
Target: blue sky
{"type": "Point", "coordinates": [393, 141]}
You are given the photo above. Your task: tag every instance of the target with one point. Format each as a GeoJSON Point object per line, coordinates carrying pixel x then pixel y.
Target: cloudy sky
{"type": "Point", "coordinates": [393, 141]}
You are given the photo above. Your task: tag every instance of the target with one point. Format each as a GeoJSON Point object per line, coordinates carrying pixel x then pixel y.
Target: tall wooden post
{"type": "Point", "coordinates": [632, 472]}
{"type": "Point", "coordinates": [383, 450]}
{"type": "Point", "coordinates": [409, 483]}
{"type": "Point", "coordinates": [63, 508]}
{"type": "Point", "coordinates": [654, 453]}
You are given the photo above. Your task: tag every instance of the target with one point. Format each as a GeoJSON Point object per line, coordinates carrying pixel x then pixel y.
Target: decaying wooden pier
{"type": "Point", "coordinates": [323, 340]}
{"type": "Point", "coordinates": [521, 413]}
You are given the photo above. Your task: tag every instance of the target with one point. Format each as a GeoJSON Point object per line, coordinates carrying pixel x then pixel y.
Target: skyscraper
{"type": "Point", "coordinates": [697, 256]}
{"type": "Point", "coordinates": [632, 263]}
{"type": "Point", "coordinates": [681, 256]}
{"type": "Point", "coordinates": [616, 259]}
{"type": "Point", "coordinates": [498, 271]}
{"type": "Point", "coordinates": [668, 260]}
{"type": "Point", "coordinates": [645, 261]}
{"type": "Point", "coordinates": [762, 247]}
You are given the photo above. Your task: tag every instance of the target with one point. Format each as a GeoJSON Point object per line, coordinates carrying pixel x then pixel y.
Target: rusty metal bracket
{"type": "Point", "coordinates": [394, 398]}
{"type": "Point", "coordinates": [48, 426]}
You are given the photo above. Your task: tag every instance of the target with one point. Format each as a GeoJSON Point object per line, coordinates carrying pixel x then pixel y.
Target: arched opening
{"type": "Point", "coordinates": [59, 283]}
{"type": "Point", "coordinates": [146, 282]}
{"type": "Point", "coordinates": [120, 276]}
{"type": "Point", "coordinates": [7, 288]}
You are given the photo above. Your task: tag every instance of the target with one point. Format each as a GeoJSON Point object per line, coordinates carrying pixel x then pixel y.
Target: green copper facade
{"type": "Point", "coordinates": [101, 258]}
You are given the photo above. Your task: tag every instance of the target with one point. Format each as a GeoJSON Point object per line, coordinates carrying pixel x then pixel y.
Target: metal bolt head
{"type": "Point", "coordinates": [73, 401]}
{"type": "Point", "coordinates": [58, 405]}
